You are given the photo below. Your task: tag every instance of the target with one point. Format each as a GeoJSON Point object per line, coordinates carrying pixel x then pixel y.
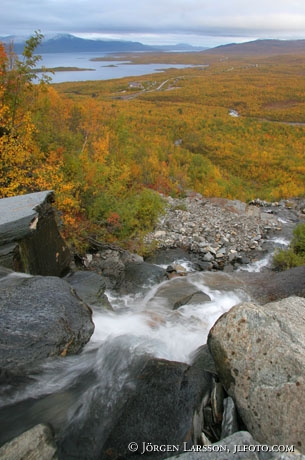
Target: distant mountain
{"type": "Point", "coordinates": [67, 43]}
{"type": "Point", "coordinates": [260, 47]}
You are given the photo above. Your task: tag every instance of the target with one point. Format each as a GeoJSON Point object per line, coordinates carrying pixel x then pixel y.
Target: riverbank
{"type": "Point", "coordinates": [224, 234]}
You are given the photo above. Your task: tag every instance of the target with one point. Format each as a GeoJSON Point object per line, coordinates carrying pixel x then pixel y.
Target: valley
{"type": "Point", "coordinates": [110, 149]}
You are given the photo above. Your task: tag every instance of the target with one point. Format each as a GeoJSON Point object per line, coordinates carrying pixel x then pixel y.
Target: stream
{"type": "Point", "coordinates": [63, 391]}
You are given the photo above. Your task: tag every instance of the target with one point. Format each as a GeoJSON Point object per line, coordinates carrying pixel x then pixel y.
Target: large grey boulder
{"type": "Point", "coordinates": [259, 353]}
{"type": "Point", "coordinates": [29, 238]}
{"type": "Point", "coordinates": [35, 444]}
{"type": "Point", "coordinates": [269, 286]}
{"type": "Point", "coordinates": [164, 406]}
{"type": "Point", "coordinates": [140, 276]}
{"type": "Point", "coordinates": [123, 271]}
{"type": "Point", "coordinates": [155, 401]}
{"type": "Point", "coordinates": [177, 292]}
{"type": "Point", "coordinates": [39, 317]}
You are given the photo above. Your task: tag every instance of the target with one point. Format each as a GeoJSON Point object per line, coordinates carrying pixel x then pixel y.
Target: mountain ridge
{"type": "Point", "coordinates": [67, 43]}
{"type": "Point", "coordinates": [259, 47]}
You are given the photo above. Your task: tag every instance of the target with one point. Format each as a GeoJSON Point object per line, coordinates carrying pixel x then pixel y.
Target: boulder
{"type": "Point", "coordinates": [177, 292]}
{"type": "Point", "coordinates": [168, 395]}
{"type": "Point", "coordinates": [39, 317]}
{"type": "Point", "coordinates": [110, 266]}
{"type": "Point", "coordinates": [90, 287]}
{"type": "Point", "coordinates": [269, 286]}
{"type": "Point", "coordinates": [29, 238]}
{"type": "Point", "coordinates": [259, 354]}
{"type": "Point", "coordinates": [121, 269]}
{"type": "Point", "coordinates": [154, 401]}
{"type": "Point", "coordinates": [34, 444]}
{"type": "Point", "coordinates": [141, 276]}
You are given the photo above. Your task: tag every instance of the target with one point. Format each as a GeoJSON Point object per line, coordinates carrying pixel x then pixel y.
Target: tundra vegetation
{"type": "Point", "coordinates": [233, 126]}
{"type": "Point", "coordinates": [294, 255]}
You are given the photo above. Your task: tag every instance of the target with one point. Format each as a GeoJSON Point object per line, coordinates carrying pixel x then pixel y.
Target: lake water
{"type": "Point", "coordinates": [101, 70]}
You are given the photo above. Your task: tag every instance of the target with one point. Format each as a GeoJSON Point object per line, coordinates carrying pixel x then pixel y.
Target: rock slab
{"type": "Point", "coordinates": [259, 353]}
{"type": "Point", "coordinates": [29, 238]}
{"type": "Point", "coordinates": [39, 317]}
{"type": "Point", "coordinates": [90, 287]}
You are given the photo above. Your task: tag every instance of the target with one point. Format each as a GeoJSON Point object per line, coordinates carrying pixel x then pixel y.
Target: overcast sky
{"type": "Point", "coordinates": [198, 22]}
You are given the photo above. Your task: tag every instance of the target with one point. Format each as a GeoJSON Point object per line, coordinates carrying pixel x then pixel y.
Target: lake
{"type": "Point", "coordinates": [101, 70]}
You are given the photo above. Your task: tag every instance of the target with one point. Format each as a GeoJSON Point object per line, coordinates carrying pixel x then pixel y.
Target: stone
{"type": "Point", "coordinates": [169, 394]}
{"type": "Point", "coordinates": [229, 422]}
{"type": "Point", "coordinates": [29, 238]}
{"type": "Point", "coordinates": [269, 286]}
{"type": "Point", "coordinates": [167, 256]}
{"type": "Point", "coordinates": [141, 276]}
{"type": "Point", "coordinates": [40, 317]}
{"type": "Point", "coordinates": [176, 293]}
{"type": "Point", "coordinates": [35, 444]}
{"type": "Point", "coordinates": [123, 271]}
{"type": "Point", "coordinates": [203, 266]}
{"type": "Point", "coordinates": [208, 257]}
{"type": "Point", "coordinates": [146, 400]}
{"type": "Point", "coordinates": [178, 268]}
{"type": "Point", "coordinates": [221, 253]}
{"type": "Point", "coordinates": [259, 354]}
{"type": "Point", "coordinates": [212, 227]}
{"type": "Point", "coordinates": [90, 287]}
{"type": "Point", "coordinates": [111, 267]}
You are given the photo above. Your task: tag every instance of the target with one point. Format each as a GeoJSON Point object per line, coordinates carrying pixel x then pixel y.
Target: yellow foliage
{"type": "Point", "coordinates": [94, 152]}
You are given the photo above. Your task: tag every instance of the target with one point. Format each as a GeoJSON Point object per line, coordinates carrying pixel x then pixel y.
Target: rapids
{"type": "Point", "coordinates": [63, 389]}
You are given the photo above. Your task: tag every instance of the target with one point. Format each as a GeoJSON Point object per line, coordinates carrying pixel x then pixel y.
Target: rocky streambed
{"type": "Point", "coordinates": [224, 233]}
{"type": "Point", "coordinates": [189, 355]}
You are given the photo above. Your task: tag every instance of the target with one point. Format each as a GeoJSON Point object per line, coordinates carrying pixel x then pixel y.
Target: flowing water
{"type": "Point", "coordinates": [64, 389]}
{"type": "Point", "coordinates": [140, 326]}
{"type": "Point", "coordinates": [266, 262]}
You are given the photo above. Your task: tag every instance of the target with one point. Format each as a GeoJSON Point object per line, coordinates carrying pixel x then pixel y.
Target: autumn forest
{"type": "Point", "coordinates": [230, 126]}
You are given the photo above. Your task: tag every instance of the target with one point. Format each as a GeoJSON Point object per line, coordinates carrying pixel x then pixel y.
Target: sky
{"type": "Point", "coordinates": [197, 22]}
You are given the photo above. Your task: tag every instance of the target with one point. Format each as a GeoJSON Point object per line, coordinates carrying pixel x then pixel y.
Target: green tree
{"type": "Point", "coordinates": [19, 153]}
{"type": "Point", "coordinates": [19, 78]}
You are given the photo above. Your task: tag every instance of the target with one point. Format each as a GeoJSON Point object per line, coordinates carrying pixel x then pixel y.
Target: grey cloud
{"type": "Point", "coordinates": [201, 17]}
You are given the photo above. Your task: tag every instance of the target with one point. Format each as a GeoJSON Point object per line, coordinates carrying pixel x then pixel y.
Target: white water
{"type": "Point", "coordinates": [134, 329]}
{"type": "Point", "coordinates": [67, 389]}
{"type": "Point", "coordinates": [280, 241]}
{"type": "Point", "coordinates": [140, 325]}
{"type": "Point", "coordinates": [167, 334]}
{"type": "Point", "coordinates": [266, 262]}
